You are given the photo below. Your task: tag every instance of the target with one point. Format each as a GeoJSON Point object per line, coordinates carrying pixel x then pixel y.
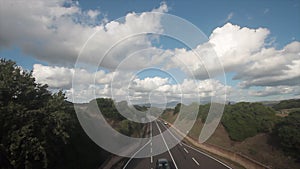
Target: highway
{"type": "Point", "coordinates": [181, 156]}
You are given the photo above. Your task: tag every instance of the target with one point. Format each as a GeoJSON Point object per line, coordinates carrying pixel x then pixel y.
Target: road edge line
{"type": "Point", "coordinates": [198, 150]}
{"type": "Point", "coordinates": [166, 146]}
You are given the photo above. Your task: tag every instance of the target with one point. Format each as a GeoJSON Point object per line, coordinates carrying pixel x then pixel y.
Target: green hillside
{"type": "Point", "coordinates": [254, 130]}
{"type": "Point", "coordinates": [287, 104]}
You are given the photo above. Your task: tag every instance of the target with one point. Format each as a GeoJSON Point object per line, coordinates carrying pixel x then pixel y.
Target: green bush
{"type": "Point", "coordinates": [287, 104]}
{"type": "Point", "coordinates": [177, 108]}
{"type": "Point", "coordinates": [39, 129]}
{"type": "Point", "coordinates": [108, 109]}
{"type": "Point", "coordinates": [287, 132]}
{"type": "Point", "coordinates": [243, 120]}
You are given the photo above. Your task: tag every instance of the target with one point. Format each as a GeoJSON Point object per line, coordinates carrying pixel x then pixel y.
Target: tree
{"type": "Point", "coordinates": [177, 108]}
{"type": "Point", "coordinates": [287, 132]}
{"type": "Point", "coordinates": [33, 122]}
{"type": "Point", "coordinates": [287, 104]}
{"type": "Point", "coordinates": [108, 108]}
{"type": "Point", "coordinates": [243, 120]}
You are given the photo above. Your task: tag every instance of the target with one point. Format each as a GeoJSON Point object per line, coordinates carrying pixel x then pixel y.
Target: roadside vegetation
{"type": "Point", "coordinates": [254, 130]}
{"type": "Point", "coordinates": [40, 129]}
{"type": "Point", "coordinates": [287, 104]}
{"type": "Point", "coordinates": [118, 121]}
{"type": "Point", "coordinates": [243, 120]}
{"type": "Point", "coordinates": [287, 134]}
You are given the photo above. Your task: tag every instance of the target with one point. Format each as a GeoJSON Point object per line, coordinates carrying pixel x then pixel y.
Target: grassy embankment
{"type": "Point", "coordinates": [248, 128]}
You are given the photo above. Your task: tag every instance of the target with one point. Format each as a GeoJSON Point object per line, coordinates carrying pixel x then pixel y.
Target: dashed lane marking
{"type": "Point", "coordinates": [185, 150]}
{"type": "Point", "coordinates": [201, 151]}
{"type": "Point", "coordinates": [195, 161]}
{"type": "Point", "coordinates": [166, 145]}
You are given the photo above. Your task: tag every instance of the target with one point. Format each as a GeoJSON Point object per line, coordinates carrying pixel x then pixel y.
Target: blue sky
{"type": "Point", "coordinates": [38, 40]}
{"type": "Point", "coordinates": [281, 17]}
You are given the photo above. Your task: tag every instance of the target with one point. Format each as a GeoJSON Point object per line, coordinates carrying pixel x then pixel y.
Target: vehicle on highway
{"type": "Point", "coordinates": [165, 123]}
{"type": "Point", "coordinates": [162, 163]}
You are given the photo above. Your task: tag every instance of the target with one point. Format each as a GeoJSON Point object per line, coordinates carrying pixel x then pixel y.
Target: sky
{"type": "Point", "coordinates": [157, 51]}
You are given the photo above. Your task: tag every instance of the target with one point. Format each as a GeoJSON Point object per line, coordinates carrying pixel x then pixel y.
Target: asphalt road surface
{"type": "Point", "coordinates": [181, 156]}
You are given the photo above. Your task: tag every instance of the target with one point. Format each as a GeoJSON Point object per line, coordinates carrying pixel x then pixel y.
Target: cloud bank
{"type": "Point", "coordinates": [56, 31]}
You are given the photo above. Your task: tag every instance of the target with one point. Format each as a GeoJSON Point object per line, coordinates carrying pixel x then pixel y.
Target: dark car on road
{"type": "Point", "coordinates": [162, 163]}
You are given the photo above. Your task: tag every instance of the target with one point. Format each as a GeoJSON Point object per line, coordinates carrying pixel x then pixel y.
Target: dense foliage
{"type": "Point", "coordinates": [287, 133]}
{"type": "Point", "coordinates": [108, 109]}
{"type": "Point", "coordinates": [120, 123]}
{"type": "Point", "coordinates": [287, 104]}
{"type": "Point", "coordinates": [243, 120]}
{"type": "Point", "coordinates": [203, 112]}
{"type": "Point", "coordinates": [177, 108]}
{"type": "Point", "coordinates": [39, 129]}
{"type": "Point", "coordinates": [140, 108]}
{"type": "Point", "coordinates": [32, 120]}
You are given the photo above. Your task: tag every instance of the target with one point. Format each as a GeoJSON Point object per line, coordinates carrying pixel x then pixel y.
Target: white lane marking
{"type": "Point", "coordinates": [135, 154]}
{"type": "Point", "coordinates": [173, 135]}
{"type": "Point", "coordinates": [151, 143]}
{"type": "Point", "coordinates": [201, 152]}
{"type": "Point", "coordinates": [195, 161]}
{"type": "Point", "coordinates": [139, 149]}
{"type": "Point", "coordinates": [151, 129]}
{"type": "Point", "coordinates": [208, 156]}
{"type": "Point", "coordinates": [166, 146]}
{"type": "Point", "coordinates": [185, 150]}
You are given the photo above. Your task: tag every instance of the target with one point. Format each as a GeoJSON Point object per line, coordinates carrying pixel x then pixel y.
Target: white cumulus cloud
{"type": "Point", "coordinates": [54, 32]}
{"type": "Point", "coordinates": [243, 51]}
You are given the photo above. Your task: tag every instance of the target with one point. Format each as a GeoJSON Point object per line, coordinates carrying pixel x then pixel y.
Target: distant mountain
{"type": "Point", "coordinates": [269, 103]}
{"type": "Point", "coordinates": [174, 103]}
{"type": "Point", "coordinates": [287, 104]}
{"type": "Point", "coordinates": [158, 105]}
